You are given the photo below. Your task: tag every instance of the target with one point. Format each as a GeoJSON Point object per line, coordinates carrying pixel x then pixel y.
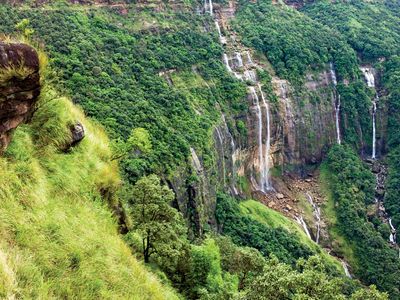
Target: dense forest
{"type": "Point", "coordinates": [226, 150]}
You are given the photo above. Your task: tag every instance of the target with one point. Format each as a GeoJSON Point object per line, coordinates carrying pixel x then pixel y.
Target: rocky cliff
{"type": "Point", "coordinates": [19, 87]}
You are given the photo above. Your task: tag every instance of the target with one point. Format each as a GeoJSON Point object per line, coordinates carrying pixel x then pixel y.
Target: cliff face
{"type": "Point", "coordinates": [19, 87]}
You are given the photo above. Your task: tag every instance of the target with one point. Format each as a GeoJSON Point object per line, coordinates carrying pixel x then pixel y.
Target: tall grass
{"type": "Point", "coordinates": [58, 238]}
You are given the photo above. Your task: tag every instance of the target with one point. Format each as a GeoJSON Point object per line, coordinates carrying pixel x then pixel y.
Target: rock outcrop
{"type": "Point", "coordinates": [19, 87]}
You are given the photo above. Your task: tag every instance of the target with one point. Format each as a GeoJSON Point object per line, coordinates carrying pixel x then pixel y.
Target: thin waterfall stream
{"type": "Point", "coordinates": [337, 103]}
{"type": "Point", "coordinates": [370, 79]}
{"type": "Point", "coordinates": [317, 215]}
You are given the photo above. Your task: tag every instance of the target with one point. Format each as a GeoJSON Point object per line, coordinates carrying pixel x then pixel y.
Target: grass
{"type": "Point", "coordinates": [273, 219]}
{"type": "Point", "coordinates": [58, 237]}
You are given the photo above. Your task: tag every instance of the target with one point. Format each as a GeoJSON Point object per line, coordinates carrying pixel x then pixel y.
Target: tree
{"type": "Point", "coordinates": [138, 142]}
{"type": "Point", "coordinates": [160, 226]}
{"type": "Point", "coordinates": [308, 281]}
{"type": "Point", "coordinates": [23, 28]}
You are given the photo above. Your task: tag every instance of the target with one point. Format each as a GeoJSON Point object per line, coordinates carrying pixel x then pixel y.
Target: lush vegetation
{"type": "Point", "coordinates": [352, 186]}
{"type": "Point", "coordinates": [113, 67]}
{"type": "Point", "coordinates": [58, 237]}
{"type": "Point", "coordinates": [156, 82]}
{"type": "Point", "coordinates": [372, 28]}
{"type": "Point", "coordinates": [392, 84]}
{"type": "Point", "coordinates": [292, 42]}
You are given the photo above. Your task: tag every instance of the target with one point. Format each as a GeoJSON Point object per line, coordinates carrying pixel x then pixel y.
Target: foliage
{"type": "Point", "coordinates": [246, 231]}
{"type": "Point", "coordinates": [370, 27]}
{"type": "Point", "coordinates": [59, 239]}
{"type": "Point", "coordinates": [160, 226]}
{"type": "Point", "coordinates": [118, 69]}
{"type": "Point", "coordinates": [292, 42]}
{"type": "Point", "coordinates": [352, 185]}
{"type": "Point", "coordinates": [307, 281]}
{"type": "Point", "coordinates": [391, 82]}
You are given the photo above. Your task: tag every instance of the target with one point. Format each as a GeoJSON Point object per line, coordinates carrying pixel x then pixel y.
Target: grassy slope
{"type": "Point", "coordinates": [274, 219]}
{"type": "Point", "coordinates": [58, 239]}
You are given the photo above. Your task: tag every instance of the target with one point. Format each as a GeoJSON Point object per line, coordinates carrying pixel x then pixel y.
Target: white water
{"type": "Point", "coordinates": [218, 30]}
{"type": "Point", "coordinates": [300, 220]}
{"type": "Point", "coordinates": [317, 215]}
{"type": "Point", "coordinates": [266, 183]}
{"type": "Point", "coordinates": [337, 117]}
{"type": "Point", "coordinates": [374, 128]}
{"type": "Point", "coordinates": [221, 141]}
{"type": "Point", "coordinates": [249, 60]}
{"type": "Point", "coordinates": [337, 104]}
{"type": "Point", "coordinates": [392, 237]}
{"type": "Point", "coordinates": [250, 75]}
{"type": "Point", "coordinates": [261, 158]}
{"type": "Point", "coordinates": [210, 7]}
{"type": "Point", "coordinates": [239, 59]}
{"type": "Point", "coordinates": [369, 77]}
{"type": "Point", "coordinates": [233, 149]}
{"type": "Point", "coordinates": [333, 74]}
{"type": "Point", "coordinates": [346, 269]}
{"type": "Point", "coordinates": [226, 61]}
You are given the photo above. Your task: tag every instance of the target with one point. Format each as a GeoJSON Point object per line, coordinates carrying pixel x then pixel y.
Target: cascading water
{"type": "Point", "coordinates": [266, 183]}
{"type": "Point", "coordinates": [261, 158]}
{"type": "Point", "coordinates": [218, 29]}
{"type": "Point", "coordinates": [226, 61]}
{"type": "Point", "coordinates": [392, 237]}
{"type": "Point", "coordinates": [233, 151]}
{"type": "Point", "coordinates": [250, 75]}
{"type": "Point", "coordinates": [208, 6]}
{"type": "Point", "coordinates": [317, 215]}
{"type": "Point", "coordinates": [374, 129]}
{"type": "Point", "coordinates": [221, 142]}
{"type": "Point", "coordinates": [300, 220]}
{"type": "Point", "coordinates": [249, 60]}
{"type": "Point", "coordinates": [370, 79]}
{"type": "Point", "coordinates": [337, 103]}
{"type": "Point", "coordinates": [239, 60]}
{"type": "Point", "coordinates": [346, 269]}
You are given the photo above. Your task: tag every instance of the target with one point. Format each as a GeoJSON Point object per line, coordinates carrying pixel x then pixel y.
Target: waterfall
{"type": "Point", "coordinates": [333, 74]}
{"type": "Point", "coordinates": [374, 128]}
{"type": "Point", "coordinates": [266, 183]}
{"type": "Point", "coordinates": [218, 29]}
{"type": "Point", "coordinates": [337, 117]}
{"type": "Point", "coordinates": [211, 7]}
{"type": "Point", "coordinates": [392, 237]}
{"type": "Point", "coordinates": [221, 141]}
{"type": "Point", "coordinates": [317, 215]}
{"type": "Point", "coordinates": [249, 60]}
{"type": "Point", "coordinates": [346, 269]}
{"type": "Point", "coordinates": [250, 75]}
{"type": "Point", "coordinates": [261, 157]}
{"type": "Point", "coordinates": [337, 103]}
{"type": "Point", "coordinates": [233, 149]}
{"type": "Point", "coordinates": [226, 61]}
{"type": "Point", "coordinates": [239, 59]}
{"type": "Point", "coordinates": [369, 77]}
{"type": "Point", "coordinates": [300, 220]}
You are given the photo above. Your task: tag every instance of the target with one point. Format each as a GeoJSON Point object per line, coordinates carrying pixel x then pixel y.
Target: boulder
{"type": "Point", "coordinates": [78, 133]}
{"type": "Point", "coordinates": [19, 87]}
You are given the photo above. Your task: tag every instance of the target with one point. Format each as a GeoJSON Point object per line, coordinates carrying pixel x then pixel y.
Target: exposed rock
{"type": "Point", "coordinates": [280, 196]}
{"type": "Point", "coordinates": [78, 133]}
{"type": "Point", "coordinates": [19, 87]}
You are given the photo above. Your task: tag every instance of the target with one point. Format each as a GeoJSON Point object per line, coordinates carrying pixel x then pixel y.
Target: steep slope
{"type": "Point", "coordinates": [58, 236]}
{"type": "Point", "coordinates": [242, 98]}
